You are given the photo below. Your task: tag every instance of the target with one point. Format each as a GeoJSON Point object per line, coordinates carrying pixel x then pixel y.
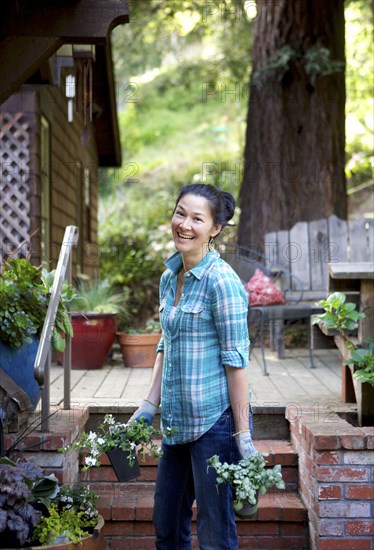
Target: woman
{"type": "Point", "coordinates": [199, 376]}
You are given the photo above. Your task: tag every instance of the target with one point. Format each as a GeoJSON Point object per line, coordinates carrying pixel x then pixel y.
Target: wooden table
{"type": "Point", "coordinates": [354, 278]}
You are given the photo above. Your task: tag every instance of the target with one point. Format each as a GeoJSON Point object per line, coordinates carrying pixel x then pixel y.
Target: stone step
{"type": "Point", "coordinates": [281, 521]}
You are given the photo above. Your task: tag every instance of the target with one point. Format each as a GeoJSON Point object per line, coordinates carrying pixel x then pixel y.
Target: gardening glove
{"type": "Point", "coordinates": [146, 410]}
{"type": "Point", "coordinates": [245, 444]}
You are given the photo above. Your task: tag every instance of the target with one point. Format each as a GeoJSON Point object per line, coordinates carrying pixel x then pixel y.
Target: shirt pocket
{"type": "Point", "coordinates": [195, 318]}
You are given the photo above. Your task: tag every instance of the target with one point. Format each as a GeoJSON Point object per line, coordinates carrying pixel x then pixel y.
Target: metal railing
{"type": "Point", "coordinates": [42, 363]}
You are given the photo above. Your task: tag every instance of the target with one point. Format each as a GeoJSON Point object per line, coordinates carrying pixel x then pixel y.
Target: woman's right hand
{"type": "Point", "coordinates": [146, 410]}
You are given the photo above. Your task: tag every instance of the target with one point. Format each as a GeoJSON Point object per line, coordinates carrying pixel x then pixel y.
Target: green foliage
{"type": "Point", "coordinates": [22, 484]}
{"type": "Point", "coordinates": [247, 477]}
{"type": "Point", "coordinates": [24, 299]}
{"type": "Point", "coordinates": [342, 316]}
{"type": "Point", "coordinates": [68, 524]}
{"type": "Point", "coordinates": [316, 62]}
{"type": "Point", "coordinates": [364, 359]}
{"type": "Point", "coordinates": [132, 438]}
{"type": "Point", "coordinates": [98, 296]}
{"type": "Point", "coordinates": [339, 314]}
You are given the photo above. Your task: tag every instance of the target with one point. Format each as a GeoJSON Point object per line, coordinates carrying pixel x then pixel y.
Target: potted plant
{"type": "Point", "coordinates": [121, 442]}
{"type": "Point", "coordinates": [36, 512]}
{"type": "Point", "coordinates": [94, 320]}
{"type": "Point", "coordinates": [248, 478]}
{"type": "Point", "coordinates": [24, 298]}
{"type": "Point", "coordinates": [341, 317]}
{"type": "Point", "coordinates": [138, 346]}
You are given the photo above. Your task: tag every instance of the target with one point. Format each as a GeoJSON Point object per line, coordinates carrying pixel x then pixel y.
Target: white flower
{"type": "Point", "coordinates": [90, 461]}
{"type": "Point", "coordinates": [100, 441]}
{"type": "Point", "coordinates": [92, 436]}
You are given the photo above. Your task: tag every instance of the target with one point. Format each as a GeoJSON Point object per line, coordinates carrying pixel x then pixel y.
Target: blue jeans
{"type": "Point", "coordinates": [183, 477]}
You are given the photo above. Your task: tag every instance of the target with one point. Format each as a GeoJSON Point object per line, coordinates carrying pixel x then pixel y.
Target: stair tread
{"type": "Point", "coordinates": [136, 503]}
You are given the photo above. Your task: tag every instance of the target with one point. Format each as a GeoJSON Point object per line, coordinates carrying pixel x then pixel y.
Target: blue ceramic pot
{"type": "Point", "coordinates": [18, 363]}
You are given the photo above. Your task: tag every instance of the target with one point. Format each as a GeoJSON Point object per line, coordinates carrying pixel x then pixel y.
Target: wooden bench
{"type": "Point", "coordinates": [306, 250]}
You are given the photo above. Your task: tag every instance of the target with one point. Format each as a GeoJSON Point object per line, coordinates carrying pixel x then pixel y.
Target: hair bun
{"type": "Point", "coordinates": [229, 203]}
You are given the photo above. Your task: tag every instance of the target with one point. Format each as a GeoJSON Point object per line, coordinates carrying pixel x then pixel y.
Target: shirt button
{"type": "Point", "coordinates": [188, 274]}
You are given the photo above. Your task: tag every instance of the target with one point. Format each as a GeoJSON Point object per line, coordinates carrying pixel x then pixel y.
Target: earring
{"type": "Point", "coordinates": [211, 244]}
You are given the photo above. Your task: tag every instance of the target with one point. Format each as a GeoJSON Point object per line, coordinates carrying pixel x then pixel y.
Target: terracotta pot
{"type": "Point", "coordinates": [94, 334]}
{"type": "Point", "coordinates": [138, 350]}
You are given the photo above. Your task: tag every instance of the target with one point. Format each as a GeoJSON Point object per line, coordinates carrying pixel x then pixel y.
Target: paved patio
{"type": "Point", "coordinates": [290, 380]}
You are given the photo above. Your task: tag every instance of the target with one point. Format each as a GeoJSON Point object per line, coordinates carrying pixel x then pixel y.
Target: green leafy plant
{"type": "Point", "coordinates": [248, 477]}
{"type": "Point", "coordinates": [151, 327]}
{"type": "Point", "coordinates": [132, 438]}
{"type": "Point", "coordinates": [24, 299]}
{"type": "Point", "coordinates": [71, 516]}
{"type": "Point", "coordinates": [99, 296]}
{"type": "Point", "coordinates": [343, 317]}
{"type": "Point", "coordinates": [339, 314]}
{"type": "Point", "coordinates": [364, 359]}
{"type": "Point", "coordinates": [22, 486]}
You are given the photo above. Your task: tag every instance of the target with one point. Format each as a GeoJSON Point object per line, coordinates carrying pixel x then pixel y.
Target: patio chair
{"type": "Point", "coordinates": [245, 261]}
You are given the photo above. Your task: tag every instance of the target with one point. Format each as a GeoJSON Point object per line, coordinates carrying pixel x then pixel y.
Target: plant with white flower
{"type": "Point", "coordinates": [136, 437]}
{"type": "Point", "coordinates": [248, 478]}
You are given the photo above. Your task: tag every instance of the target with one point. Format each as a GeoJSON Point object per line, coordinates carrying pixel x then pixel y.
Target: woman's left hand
{"type": "Point", "coordinates": [245, 443]}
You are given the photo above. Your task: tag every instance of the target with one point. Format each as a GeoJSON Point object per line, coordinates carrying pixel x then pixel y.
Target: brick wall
{"type": "Point", "coordinates": [41, 447]}
{"type": "Point", "coordinates": [336, 478]}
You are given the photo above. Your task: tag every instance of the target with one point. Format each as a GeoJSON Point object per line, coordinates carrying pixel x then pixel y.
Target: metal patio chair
{"type": "Point", "coordinates": [245, 261]}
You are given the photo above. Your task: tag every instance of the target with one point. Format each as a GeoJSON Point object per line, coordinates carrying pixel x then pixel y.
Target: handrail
{"type": "Point", "coordinates": [41, 374]}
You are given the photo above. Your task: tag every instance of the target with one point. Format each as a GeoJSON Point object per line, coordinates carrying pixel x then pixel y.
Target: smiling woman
{"type": "Point", "coordinates": [199, 374]}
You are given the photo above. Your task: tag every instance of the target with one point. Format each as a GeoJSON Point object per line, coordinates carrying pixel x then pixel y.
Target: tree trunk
{"type": "Point", "coordinates": [294, 153]}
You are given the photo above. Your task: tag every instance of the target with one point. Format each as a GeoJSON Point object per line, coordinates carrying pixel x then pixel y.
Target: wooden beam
{"type": "Point", "coordinates": [20, 58]}
{"type": "Point", "coordinates": [77, 21]}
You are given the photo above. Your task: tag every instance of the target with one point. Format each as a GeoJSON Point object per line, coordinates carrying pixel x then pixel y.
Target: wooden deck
{"type": "Point", "coordinates": [290, 381]}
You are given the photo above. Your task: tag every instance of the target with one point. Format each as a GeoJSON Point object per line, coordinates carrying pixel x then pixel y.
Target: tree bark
{"type": "Point", "coordinates": [294, 153]}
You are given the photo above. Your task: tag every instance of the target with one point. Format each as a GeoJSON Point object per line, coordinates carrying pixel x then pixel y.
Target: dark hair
{"type": "Point", "coordinates": [222, 204]}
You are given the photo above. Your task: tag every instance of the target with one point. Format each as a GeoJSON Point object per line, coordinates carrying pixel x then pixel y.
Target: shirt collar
{"type": "Point", "coordinates": [174, 263]}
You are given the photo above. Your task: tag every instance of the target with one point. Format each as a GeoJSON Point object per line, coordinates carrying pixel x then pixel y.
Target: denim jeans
{"type": "Point", "coordinates": [183, 477]}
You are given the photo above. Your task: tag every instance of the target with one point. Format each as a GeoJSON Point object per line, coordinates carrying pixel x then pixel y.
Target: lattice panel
{"type": "Point", "coordinates": [14, 176]}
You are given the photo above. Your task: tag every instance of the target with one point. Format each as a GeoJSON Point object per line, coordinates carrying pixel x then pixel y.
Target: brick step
{"type": "Point", "coordinates": [280, 452]}
{"type": "Point", "coordinates": [281, 521]}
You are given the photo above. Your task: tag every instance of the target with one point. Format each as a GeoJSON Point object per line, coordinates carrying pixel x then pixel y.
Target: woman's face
{"type": "Point", "coordinates": [192, 226]}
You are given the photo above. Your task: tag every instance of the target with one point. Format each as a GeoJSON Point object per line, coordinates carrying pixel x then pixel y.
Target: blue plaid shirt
{"type": "Point", "coordinates": [208, 331]}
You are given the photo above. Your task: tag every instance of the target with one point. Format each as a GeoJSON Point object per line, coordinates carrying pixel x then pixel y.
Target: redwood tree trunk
{"type": "Point", "coordinates": [294, 153]}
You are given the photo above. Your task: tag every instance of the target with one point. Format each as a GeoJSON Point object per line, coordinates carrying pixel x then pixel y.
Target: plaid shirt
{"type": "Point", "coordinates": [209, 330]}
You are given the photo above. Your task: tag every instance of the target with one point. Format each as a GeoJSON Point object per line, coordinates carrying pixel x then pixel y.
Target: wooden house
{"type": "Point", "coordinates": [58, 124]}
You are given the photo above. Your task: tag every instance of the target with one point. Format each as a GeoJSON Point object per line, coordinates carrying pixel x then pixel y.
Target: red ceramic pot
{"type": "Point", "coordinates": [94, 334]}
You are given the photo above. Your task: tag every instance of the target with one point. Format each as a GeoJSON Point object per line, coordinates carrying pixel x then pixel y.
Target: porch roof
{"type": "Point", "coordinates": [31, 31]}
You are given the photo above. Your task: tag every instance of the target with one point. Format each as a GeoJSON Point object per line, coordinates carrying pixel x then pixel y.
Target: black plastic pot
{"type": "Point", "coordinates": [121, 466]}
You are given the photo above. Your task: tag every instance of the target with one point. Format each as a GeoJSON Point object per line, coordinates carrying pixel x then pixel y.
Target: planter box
{"type": "Point", "coordinates": [138, 350]}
